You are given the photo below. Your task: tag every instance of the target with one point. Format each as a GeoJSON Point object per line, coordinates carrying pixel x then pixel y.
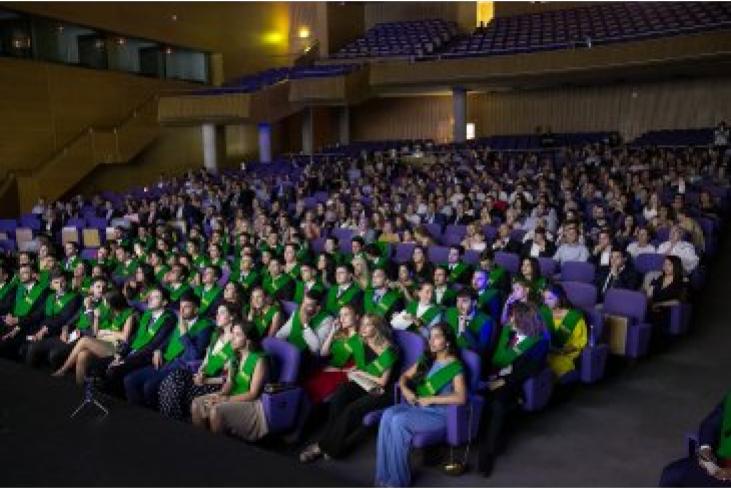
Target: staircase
{"type": "Point", "coordinates": [92, 147]}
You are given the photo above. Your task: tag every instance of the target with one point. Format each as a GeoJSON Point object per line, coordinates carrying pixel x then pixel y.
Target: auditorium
{"type": "Point", "coordinates": [355, 243]}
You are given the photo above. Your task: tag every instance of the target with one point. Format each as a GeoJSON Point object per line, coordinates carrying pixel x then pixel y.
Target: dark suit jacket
{"type": "Point", "coordinates": [66, 316]}
{"type": "Point", "coordinates": [549, 251]}
{"type": "Point", "coordinates": [710, 429]}
{"type": "Point", "coordinates": [628, 279]}
{"type": "Point", "coordinates": [143, 357]}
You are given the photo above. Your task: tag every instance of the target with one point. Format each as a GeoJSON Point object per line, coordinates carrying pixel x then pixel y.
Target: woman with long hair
{"type": "Point", "coordinates": [237, 408]}
{"type": "Point", "coordinates": [429, 386]}
{"type": "Point", "coordinates": [368, 389]}
{"type": "Point", "coordinates": [567, 329]}
{"type": "Point", "coordinates": [263, 312]}
{"type": "Point", "coordinates": [666, 290]}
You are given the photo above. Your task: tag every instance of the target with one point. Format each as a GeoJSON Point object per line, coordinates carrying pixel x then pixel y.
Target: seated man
{"type": "Point", "coordinates": [60, 309]}
{"type": "Point", "coordinates": [71, 249]}
{"type": "Point", "coordinates": [459, 271]}
{"type": "Point", "coordinates": [177, 283]}
{"type": "Point", "coordinates": [676, 246]}
{"type": "Point", "coordinates": [488, 298]}
{"type": "Point", "coordinates": [308, 282]}
{"type": "Point", "coordinates": [187, 343]}
{"type": "Point", "coordinates": [571, 249]}
{"type": "Point", "coordinates": [308, 326]}
{"type": "Point", "coordinates": [711, 463]}
{"type": "Point", "coordinates": [379, 299]}
{"type": "Point", "coordinates": [7, 289]}
{"type": "Point", "coordinates": [473, 329]}
{"type": "Point", "coordinates": [619, 274]}
{"type": "Point", "coordinates": [444, 296]}
{"type": "Point", "coordinates": [26, 314]}
{"type": "Point", "coordinates": [498, 276]}
{"type": "Point", "coordinates": [278, 284]}
{"type": "Point", "coordinates": [419, 315]}
{"type": "Point", "coordinates": [126, 265]}
{"type": "Point", "coordinates": [344, 291]}
{"type": "Point", "coordinates": [209, 293]}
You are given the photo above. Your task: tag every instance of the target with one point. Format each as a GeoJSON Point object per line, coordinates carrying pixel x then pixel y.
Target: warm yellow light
{"type": "Point", "coordinates": [304, 32]}
{"type": "Point", "coordinates": [272, 37]}
{"type": "Point", "coordinates": [485, 12]}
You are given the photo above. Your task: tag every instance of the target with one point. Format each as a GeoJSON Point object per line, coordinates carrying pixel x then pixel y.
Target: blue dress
{"type": "Point", "coordinates": [398, 426]}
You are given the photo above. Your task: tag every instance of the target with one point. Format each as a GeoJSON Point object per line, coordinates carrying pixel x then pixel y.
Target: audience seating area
{"type": "Point", "coordinates": [414, 38]}
{"type": "Point", "coordinates": [592, 25]}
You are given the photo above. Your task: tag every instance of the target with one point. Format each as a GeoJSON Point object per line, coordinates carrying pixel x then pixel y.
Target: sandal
{"type": "Point", "coordinates": [311, 453]}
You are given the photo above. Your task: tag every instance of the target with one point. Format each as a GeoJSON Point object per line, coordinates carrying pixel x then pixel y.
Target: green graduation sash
{"type": "Point", "coordinates": [340, 352]}
{"type": "Point", "coordinates": [200, 261]}
{"type": "Point", "coordinates": [296, 336]}
{"type": "Point", "coordinates": [71, 263]}
{"type": "Point", "coordinates": [207, 297]}
{"type": "Point", "coordinates": [177, 293]}
{"type": "Point", "coordinates": [44, 277]}
{"type": "Point", "coordinates": [433, 383]}
{"type": "Point", "coordinates": [496, 276]}
{"type": "Point", "coordinates": [452, 318]}
{"type": "Point", "coordinates": [486, 297]}
{"type": "Point", "coordinates": [299, 290]}
{"type": "Point", "coordinates": [458, 271]}
{"type": "Point", "coordinates": [295, 272]}
{"type": "Point", "coordinates": [117, 322]}
{"type": "Point", "coordinates": [388, 300]}
{"type": "Point", "coordinates": [247, 281]}
{"type": "Point", "coordinates": [244, 373]}
{"type": "Point", "coordinates": [24, 301]}
{"type": "Point", "coordinates": [504, 354]}
{"type": "Point", "coordinates": [55, 306]}
{"type": "Point", "coordinates": [216, 362]}
{"type": "Point", "coordinates": [175, 345]}
{"type": "Point", "coordinates": [560, 333]}
{"type": "Point", "coordinates": [262, 321]}
{"type": "Point", "coordinates": [724, 444]}
{"type": "Point", "coordinates": [5, 289]}
{"type": "Point", "coordinates": [146, 331]}
{"type": "Point", "coordinates": [272, 286]}
{"type": "Point", "coordinates": [160, 273]}
{"type": "Point", "coordinates": [376, 367]}
{"type": "Point", "coordinates": [447, 297]}
{"type": "Point", "coordinates": [425, 317]}
{"type": "Point", "coordinates": [128, 269]}
{"type": "Point", "coordinates": [85, 320]}
{"type": "Point", "coordinates": [334, 304]}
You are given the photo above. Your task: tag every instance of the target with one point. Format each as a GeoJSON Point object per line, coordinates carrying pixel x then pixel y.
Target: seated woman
{"type": "Point", "coordinates": [666, 290]}
{"type": "Point", "coordinates": [368, 389]}
{"type": "Point", "coordinates": [710, 465]}
{"type": "Point", "coordinates": [232, 295]}
{"type": "Point", "coordinates": [520, 353]}
{"type": "Point", "coordinates": [178, 390]}
{"type": "Point", "coordinates": [361, 273]}
{"type": "Point", "coordinates": [136, 290]}
{"type": "Point", "coordinates": [338, 351]}
{"type": "Point", "coordinates": [567, 329]}
{"type": "Point", "coordinates": [530, 271]}
{"type": "Point", "coordinates": [428, 387]}
{"type": "Point", "coordinates": [263, 313]}
{"type": "Point", "coordinates": [112, 322]}
{"type": "Point", "coordinates": [237, 408]}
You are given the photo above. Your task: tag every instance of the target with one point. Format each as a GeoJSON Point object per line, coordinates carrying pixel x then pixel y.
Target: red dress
{"type": "Point", "coordinates": [324, 382]}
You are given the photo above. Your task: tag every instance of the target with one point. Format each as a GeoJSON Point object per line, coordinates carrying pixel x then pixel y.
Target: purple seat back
{"type": "Point", "coordinates": [473, 365]}
{"type": "Point", "coordinates": [287, 357]}
{"type": "Point", "coordinates": [548, 267]}
{"type": "Point", "coordinates": [403, 252]}
{"type": "Point", "coordinates": [88, 254]}
{"type": "Point", "coordinates": [626, 303]}
{"type": "Point", "coordinates": [289, 307]}
{"type": "Point", "coordinates": [434, 230]}
{"type": "Point", "coordinates": [578, 271]}
{"type": "Point", "coordinates": [438, 254]}
{"type": "Point", "coordinates": [582, 295]}
{"type": "Point", "coordinates": [9, 226]}
{"type": "Point", "coordinates": [508, 260]}
{"type": "Point", "coordinates": [457, 230]}
{"type": "Point", "coordinates": [318, 245]}
{"type": "Point", "coordinates": [490, 233]}
{"type": "Point", "coordinates": [471, 257]}
{"type": "Point", "coordinates": [646, 262]}
{"type": "Point", "coordinates": [411, 345]}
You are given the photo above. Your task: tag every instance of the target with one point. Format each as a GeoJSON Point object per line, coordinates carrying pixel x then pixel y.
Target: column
{"type": "Point", "coordinates": [344, 125]}
{"type": "Point", "coordinates": [307, 131]}
{"type": "Point", "coordinates": [214, 146]}
{"type": "Point", "coordinates": [459, 114]}
{"type": "Point", "coordinates": [265, 143]}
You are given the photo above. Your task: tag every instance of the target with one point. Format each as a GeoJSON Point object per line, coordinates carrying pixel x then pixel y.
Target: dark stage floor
{"type": "Point", "coordinates": [619, 432]}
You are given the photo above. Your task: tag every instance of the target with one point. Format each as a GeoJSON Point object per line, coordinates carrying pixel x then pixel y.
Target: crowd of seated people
{"type": "Point", "coordinates": [174, 320]}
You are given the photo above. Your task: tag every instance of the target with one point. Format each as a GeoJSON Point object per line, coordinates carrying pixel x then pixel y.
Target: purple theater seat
{"type": "Point", "coordinates": [438, 254]}
{"type": "Point", "coordinates": [403, 252]}
{"type": "Point", "coordinates": [281, 407]}
{"type": "Point", "coordinates": [578, 271]}
{"type": "Point", "coordinates": [633, 305]}
{"type": "Point", "coordinates": [537, 391]}
{"type": "Point", "coordinates": [508, 260]}
{"type": "Point", "coordinates": [644, 263]}
{"type": "Point", "coordinates": [680, 314]}
{"type": "Point", "coordinates": [434, 230]}
{"type": "Point", "coordinates": [548, 267]}
{"type": "Point", "coordinates": [471, 257]}
{"type": "Point", "coordinates": [88, 254]}
{"type": "Point", "coordinates": [584, 296]}
{"type": "Point", "coordinates": [288, 307]}
{"type": "Point", "coordinates": [225, 274]}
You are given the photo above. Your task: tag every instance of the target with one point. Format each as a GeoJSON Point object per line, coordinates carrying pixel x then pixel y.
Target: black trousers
{"type": "Point", "coordinates": [349, 404]}
{"type": "Point", "coordinates": [50, 350]}
{"type": "Point", "coordinates": [498, 405]}
{"type": "Point", "coordinates": [14, 347]}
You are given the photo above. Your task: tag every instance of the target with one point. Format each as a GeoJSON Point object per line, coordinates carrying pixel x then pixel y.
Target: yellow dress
{"type": "Point", "coordinates": [563, 362]}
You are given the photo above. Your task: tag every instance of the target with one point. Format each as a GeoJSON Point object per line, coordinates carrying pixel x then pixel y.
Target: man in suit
{"type": "Point", "coordinates": [26, 313]}
{"type": "Point", "coordinates": [433, 217]}
{"type": "Point", "coordinates": [710, 464]}
{"type": "Point", "coordinates": [619, 274]}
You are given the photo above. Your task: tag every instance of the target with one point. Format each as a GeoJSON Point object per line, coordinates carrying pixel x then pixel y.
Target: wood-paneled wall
{"type": "Point", "coordinates": [403, 118]}
{"type": "Point", "coordinates": [44, 106]}
{"type": "Point", "coordinates": [174, 152]}
{"type": "Point", "coordinates": [506, 9]}
{"type": "Point", "coordinates": [630, 108]}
